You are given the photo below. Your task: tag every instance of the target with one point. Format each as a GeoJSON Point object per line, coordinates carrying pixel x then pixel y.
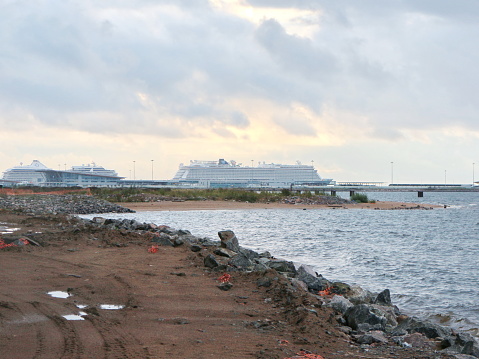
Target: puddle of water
{"type": "Point", "coordinates": [59, 294]}
{"type": "Point", "coordinates": [111, 306]}
{"type": "Point", "coordinates": [73, 317]}
{"type": "Point", "coordinates": [6, 230]}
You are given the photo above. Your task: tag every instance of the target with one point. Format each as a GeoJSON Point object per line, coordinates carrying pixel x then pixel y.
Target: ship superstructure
{"type": "Point", "coordinates": [94, 169]}
{"type": "Point", "coordinates": [222, 173]}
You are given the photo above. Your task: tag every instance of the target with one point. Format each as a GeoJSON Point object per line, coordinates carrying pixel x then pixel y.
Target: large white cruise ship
{"type": "Point", "coordinates": [222, 173]}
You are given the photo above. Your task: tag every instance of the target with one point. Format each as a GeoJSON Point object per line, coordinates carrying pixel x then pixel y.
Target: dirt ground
{"type": "Point", "coordinates": [171, 306]}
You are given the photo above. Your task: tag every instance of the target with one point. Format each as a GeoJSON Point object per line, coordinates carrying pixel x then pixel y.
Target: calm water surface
{"type": "Point", "coordinates": [428, 259]}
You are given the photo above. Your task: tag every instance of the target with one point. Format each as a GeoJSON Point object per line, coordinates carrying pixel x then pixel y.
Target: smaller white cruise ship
{"type": "Point", "coordinates": [37, 174]}
{"type": "Point", "coordinates": [94, 169]}
{"type": "Point", "coordinates": [33, 174]}
{"type": "Point", "coordinates": [222, 173]}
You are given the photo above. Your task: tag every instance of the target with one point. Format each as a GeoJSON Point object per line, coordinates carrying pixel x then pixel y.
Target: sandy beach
{"type": "Point", "coordinates": [231, 205]}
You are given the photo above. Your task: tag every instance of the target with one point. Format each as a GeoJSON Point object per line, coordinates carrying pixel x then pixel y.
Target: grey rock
{"type": "Point", "coordinates": [282, 266]}
{"type": "Point", "coordinates": [210, 261]}
{"type": "Point", "coordinates": [229, 240]}
{"type": "Point", "coordinates": [299, 284]}
{"type": "Point", "coordinates": [315, 283]}
{"type": "Point", "coordinates": [417, 340]}
{"type": "Point", "coordinates": [340, 304]}
{"type": "Point", "coordinates": [465, 343]}
{"type": "Point", "coordinates": [225, 286]}
{"type": "Point", "coordinates": [98, 220]}
{"type": "Point", "coordinates": [223, 252]}
{"type": "Point", "coordinates": [384, 298]}
{"type": "Point", "coordinates": [240, 261]}
{"type": "Point", "coordinates": [259, 267]}
{"type": "Point", "coordinates": [364, 314]}
{"type": "Point", "coordinates": [252, 255]}
{"type": "Point", "coordinates": [178, 242]}
{"type": "Point", "coordinates": [372, 337]}
{"type": "Point", "coordinates": [415, 325]}
{"type": "Point", "coordinates": [358, 295]}
{"type": "Point", "coordinates": [163, 239]}
{"type": "Point", "coordinates": [264, 282]}
{"type": "Point", "coordinates": [195, 248]}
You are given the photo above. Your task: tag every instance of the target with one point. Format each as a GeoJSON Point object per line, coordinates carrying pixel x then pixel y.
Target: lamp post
{"type": "Point", "coordinates": [445, 177]}
{"type": "Point", "coordinates": [134, 171]}
{"type": "Point", "coordinates": [152, 170]}
{"type": "Point", "coordinates": [312, 172]}
{"type": "Point", "coordinates": [473, 174]}
{"type": "Point", "coordinates": [252, 174]}
{"type": "Point", "coordinates": [392, 172]}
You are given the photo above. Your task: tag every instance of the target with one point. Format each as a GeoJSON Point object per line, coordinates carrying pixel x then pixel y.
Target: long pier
{"type": "Point", "coordinates": [420, 189]}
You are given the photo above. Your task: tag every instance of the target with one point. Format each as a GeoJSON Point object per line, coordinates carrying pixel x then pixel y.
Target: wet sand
{"type": "Point", "coordinates": [230, 205]}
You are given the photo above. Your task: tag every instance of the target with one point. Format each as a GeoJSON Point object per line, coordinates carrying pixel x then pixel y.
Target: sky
{"type": "Point", "coordinates": [364, 90]}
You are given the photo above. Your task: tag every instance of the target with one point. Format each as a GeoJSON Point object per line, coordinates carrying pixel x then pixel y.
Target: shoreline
{"type": "Point", "coordinates": [272, 312]}
{"type": "Point", "coordinates": [231, 205]}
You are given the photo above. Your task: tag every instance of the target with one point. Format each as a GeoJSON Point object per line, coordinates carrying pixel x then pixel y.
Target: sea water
{"type": "Point", "coordinates": [429, 259]}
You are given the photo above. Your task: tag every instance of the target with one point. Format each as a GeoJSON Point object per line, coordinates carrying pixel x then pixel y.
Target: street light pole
{"type": "Point", "coordinates": [392, 172]}
{"type": "Point", "coordinates": [312, 171]}
{"type": "Point", "coordinates": [134, 171]}
{"type": "Point", "coordinates": [152, 170]}
{"type": "Point", "coordinates": [473, 174]}
{"type": "Point", "coordinates": [252, 174]}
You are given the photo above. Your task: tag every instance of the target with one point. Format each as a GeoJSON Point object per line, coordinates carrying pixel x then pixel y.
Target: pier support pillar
{"type": "Point", "coordinates": [333, 193]}
{"type": "Point", "coordinates": [351, 193]}
{"type": "Point", "coordinates": [420, 194]}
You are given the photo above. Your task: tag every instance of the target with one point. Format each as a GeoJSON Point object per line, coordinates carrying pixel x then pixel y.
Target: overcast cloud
{"type": "Point", "coordinates": [314, 74]}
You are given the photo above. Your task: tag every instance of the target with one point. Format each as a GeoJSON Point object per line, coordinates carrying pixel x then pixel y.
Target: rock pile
{"type": "Point", "coordinates": [316, 200]}
{"type": "Point", "coordinates": [59, 204]}
{"type": "Point", "coordinates": [369, 319]}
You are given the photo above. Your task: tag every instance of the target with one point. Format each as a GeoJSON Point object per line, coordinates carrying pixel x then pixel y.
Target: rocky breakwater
{"type": "Point", "coordinates": [368, 321]}
{"type": "Point", "coordinates": [59, 204]}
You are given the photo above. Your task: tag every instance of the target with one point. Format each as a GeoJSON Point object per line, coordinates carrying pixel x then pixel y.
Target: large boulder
{"type": "Point", "coordinates": [361, 314]}
{"type": "Point", "coordinates": [163, 239]}
{"type": "Point", "coordinates": [308, 276]}
{"type": "Point", "coordinates": [210, 261]}
{"type": "Point", "coordinates": [340, 304]}
{"type": "Point", "coordinates": [415, 325]}
{"type": "Point", "coordinates": [282, 266]}
{"type": "Point", "coordinates": [358, 295]}
{"type": "Point", "coordinates": [229, 240]}
{"type": "Point", "coordinates": [384, 298]}
{"type": "Point", "coordinates": [240, 261]}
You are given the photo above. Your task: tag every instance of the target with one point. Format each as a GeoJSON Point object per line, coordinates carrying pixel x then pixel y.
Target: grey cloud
{"type": "Point", "coordinates": [294, 53]}
{"type": "Point", "coordinates": [384, 61]}
{"type": "Point", "coordinates": [239, 119]}
{"type": "Point", "coordinates": [296, 125]}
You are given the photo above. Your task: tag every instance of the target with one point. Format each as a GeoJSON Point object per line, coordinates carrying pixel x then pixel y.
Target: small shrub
{"type": "Point", "coordinates": [360, 198]}
{"type": "Point", "coordinates": [286, 192]}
